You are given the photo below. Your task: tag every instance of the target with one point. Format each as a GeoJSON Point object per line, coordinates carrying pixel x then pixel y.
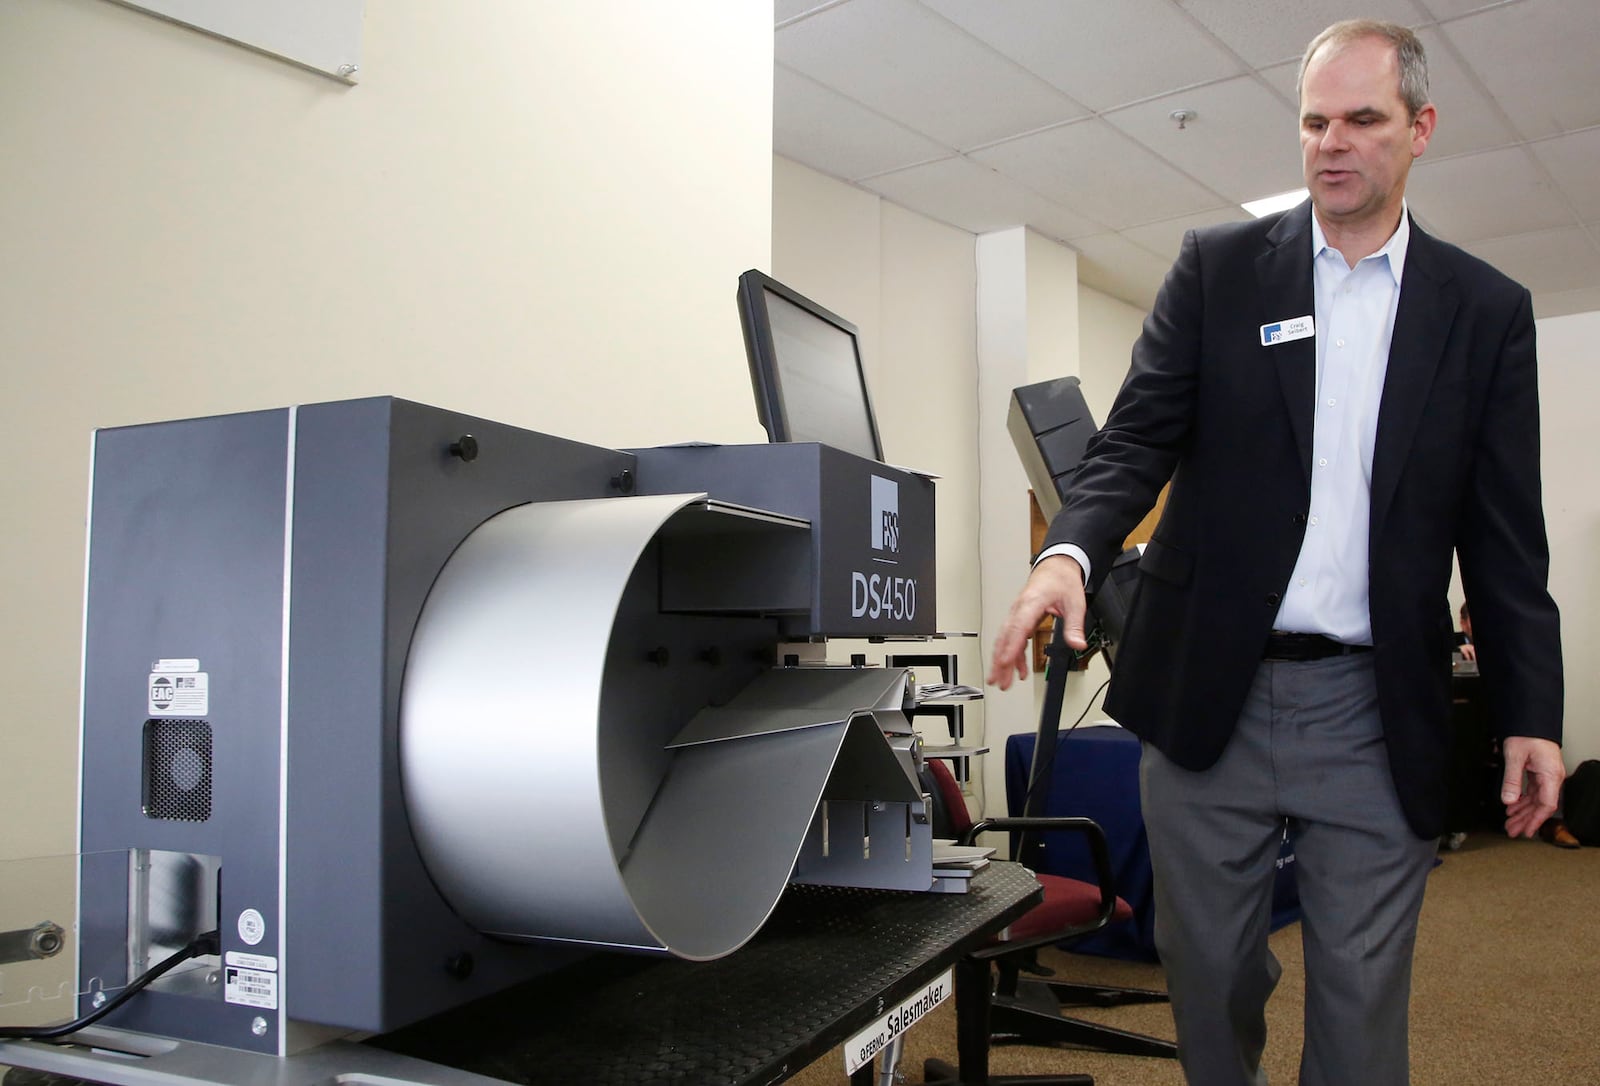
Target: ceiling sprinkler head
{"type": "Point", "coordinates": [1183, 117]}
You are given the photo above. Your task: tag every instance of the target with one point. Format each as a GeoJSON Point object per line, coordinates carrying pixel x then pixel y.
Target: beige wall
{"type": "Point", "coordinates": [1028, 321]}
{"type": "Point", "coordinates": [1107, 329]}
{"type": "Point", "coordinates": [907, 283]}
{"type": "Point", "coordinates": [950, 323]}
{"type": "Point", "coordinates": [826, 244]}
{"type": "Point", "coordinates": [534, 212]}
{"type": "Point", "coordinates": [924, 394]}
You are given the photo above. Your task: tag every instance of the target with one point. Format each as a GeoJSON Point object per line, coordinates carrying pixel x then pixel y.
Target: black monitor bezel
{"type": "Point", "coordinates": [765, 379]}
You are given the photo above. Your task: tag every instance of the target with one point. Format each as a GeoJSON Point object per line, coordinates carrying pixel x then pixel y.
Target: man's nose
{"type": "Point", "coordinates": [1335, 136]}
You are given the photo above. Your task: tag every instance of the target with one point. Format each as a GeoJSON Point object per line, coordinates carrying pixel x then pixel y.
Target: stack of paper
{"type": "Point", "coordinates": [954, 865]}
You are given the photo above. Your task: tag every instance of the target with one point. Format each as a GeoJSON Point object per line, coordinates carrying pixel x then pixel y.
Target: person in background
{"type": "Point", "coordinates": [1464, 644]}
{"type": "Point", "coordinates": [1339, 402]}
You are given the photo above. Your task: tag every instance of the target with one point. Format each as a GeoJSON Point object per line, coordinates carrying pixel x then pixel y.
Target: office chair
{"type": "Point", "coordinates": [1018, 1010]}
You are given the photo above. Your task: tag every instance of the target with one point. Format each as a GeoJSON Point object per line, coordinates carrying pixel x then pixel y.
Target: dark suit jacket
{"type": "Point", "coordinates": [1455, 467]}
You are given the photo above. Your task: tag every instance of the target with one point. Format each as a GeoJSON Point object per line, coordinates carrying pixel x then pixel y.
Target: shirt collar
{"type": "Point", "coordinates": [1395, 248]}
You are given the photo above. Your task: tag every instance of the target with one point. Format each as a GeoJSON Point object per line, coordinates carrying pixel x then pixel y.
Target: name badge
{"type": "Point", "coordinates": [1287, 331]}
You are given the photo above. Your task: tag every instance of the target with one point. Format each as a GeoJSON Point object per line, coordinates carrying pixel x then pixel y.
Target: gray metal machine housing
{"type": "Point", "coordinates": [274, 572]}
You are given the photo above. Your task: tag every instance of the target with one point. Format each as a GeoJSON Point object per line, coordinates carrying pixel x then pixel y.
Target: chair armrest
{"type": "Point", "coordinates": [1099, 852]}
{"type": "Point", "coordinates": [1017, 823]}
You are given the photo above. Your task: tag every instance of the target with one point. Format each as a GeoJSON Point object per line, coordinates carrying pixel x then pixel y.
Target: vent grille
{"type": "Point", "coordinates": [177, 770]}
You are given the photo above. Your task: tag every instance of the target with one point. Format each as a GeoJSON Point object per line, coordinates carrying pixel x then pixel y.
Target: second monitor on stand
{"type": "Point", "coordinates": [1050, 426]}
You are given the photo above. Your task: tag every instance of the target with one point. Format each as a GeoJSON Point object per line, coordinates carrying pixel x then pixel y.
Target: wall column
{"type": "Point", "coordinates": [1027, 332]}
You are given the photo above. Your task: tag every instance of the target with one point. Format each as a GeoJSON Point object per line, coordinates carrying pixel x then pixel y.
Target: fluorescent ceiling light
{"type": "Point", "coordinates": [1283, 201]}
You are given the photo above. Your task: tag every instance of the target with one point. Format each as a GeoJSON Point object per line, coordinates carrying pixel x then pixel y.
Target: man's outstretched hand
{"type": "Point", "coordinates": [1055, 587]}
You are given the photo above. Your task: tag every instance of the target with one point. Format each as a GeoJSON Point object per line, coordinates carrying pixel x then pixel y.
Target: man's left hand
{"type": "Point", "coordinates": [1527, 806]}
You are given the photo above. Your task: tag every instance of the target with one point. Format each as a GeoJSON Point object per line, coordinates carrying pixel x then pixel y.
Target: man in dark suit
{"type": "Point", "coordinates": [1340, 402]}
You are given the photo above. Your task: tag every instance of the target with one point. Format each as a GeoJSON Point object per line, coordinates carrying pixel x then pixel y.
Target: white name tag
{"type": "Point", "coordinates": [1287, 331]}
{"type": "Point", "coordinates": [860, 1049]}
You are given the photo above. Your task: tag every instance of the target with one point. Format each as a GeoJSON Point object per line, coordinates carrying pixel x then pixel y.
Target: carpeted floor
{"type": "Point", "coordinates": [1506, 989]}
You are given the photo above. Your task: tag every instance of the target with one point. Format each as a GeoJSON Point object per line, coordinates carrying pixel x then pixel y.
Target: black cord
{"type": "Point", "coordinates": [209, 943]}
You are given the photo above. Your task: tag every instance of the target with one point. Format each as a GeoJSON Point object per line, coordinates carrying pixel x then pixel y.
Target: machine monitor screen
{"type": "Point", "coordinates": [805, 364]}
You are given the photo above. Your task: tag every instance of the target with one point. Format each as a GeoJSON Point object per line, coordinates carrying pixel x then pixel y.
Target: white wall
{"type": "Point", "coordinates": [535, 212]}
{"type": "Point", "coordinates": [1569, 387]}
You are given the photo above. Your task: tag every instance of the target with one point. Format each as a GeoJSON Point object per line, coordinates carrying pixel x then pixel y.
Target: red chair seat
{"type": "Point", "coordinates": [1068, 903]}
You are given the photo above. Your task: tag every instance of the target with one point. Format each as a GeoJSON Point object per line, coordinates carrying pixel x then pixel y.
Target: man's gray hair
{"type": "Point", "coordinates": [1407, 48]}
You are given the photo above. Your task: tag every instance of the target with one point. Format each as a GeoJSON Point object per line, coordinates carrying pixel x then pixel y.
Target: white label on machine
{"type": "Point", "coordinates": [251, 961]}
{"type": "Point", "coordinates": [179, 693]}
{"type": "Point", "coordinates": [250, 987]}
{"type": "Point", "coordinates": [864, 1046]}
{"type": "Point", "coordinates": [252, 926]}
{"type": "Point", "coordinates": [169, 667]}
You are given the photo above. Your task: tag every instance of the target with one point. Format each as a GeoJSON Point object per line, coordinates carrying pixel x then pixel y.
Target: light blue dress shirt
{"type": "Point", "coordinates": [1355, 309]}
{"type": "Point", "coordinates": [1327, 592]}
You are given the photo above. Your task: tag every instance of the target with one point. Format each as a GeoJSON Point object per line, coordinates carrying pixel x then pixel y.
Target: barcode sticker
{"type": "Point", "coordinates": [251, 988]}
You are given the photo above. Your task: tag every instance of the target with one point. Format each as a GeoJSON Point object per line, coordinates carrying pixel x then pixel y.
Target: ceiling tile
{"type": "Point", "coordinates": [1586, 300]}
{"type": "Point", "coordinates": [1165, 238]}
{"type": "Point", "coordinates": [1092, 168]}
{"type": "Point", "coordinates": [1574, 161]}
{"type": "Point", "coordinates": [1242, 142]}
{"type": "Point", "coordinates": [1550, 261]}
{"type": "Point", "coordinates": [1285, 79]}
{"type": "Point", "coordinates": [1268, 31]}
{"type": "Point", "coordinates": [975, 198]}
{"type": "Point", "coordinates": [1553, 87]}
{"type": "Point", "coordinates": [784, 10]}
{"type": "Point", "coordinates": [917, 69]}
{"type": "Point", "coordinates": [813, 124]}
{"type": "Point", "coordinates": [1100, 54]}
{"type": "Point", "coordinates": [1112, 263]}
{"type": "Point", "coordinates": [1489, 195]}
{"type": "Point", "coordinates": [1449, 9]}
{"type": "Point", "coordinates": [1469, 120]}
{"type": "Point", "coordinates": [884, 92]}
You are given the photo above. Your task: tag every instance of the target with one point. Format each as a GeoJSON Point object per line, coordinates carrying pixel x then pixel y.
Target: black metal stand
{"type": "Point", "coordinates": [1029, 848]}
{"type": "Point", "coordinates": [974, 1006]}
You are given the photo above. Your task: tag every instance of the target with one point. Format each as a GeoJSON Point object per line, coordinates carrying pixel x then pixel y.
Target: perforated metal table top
{"type": "Point", "coordinates": [827, 963]}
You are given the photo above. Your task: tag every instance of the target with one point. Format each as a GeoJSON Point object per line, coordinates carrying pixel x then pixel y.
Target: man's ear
{"type": "Point", "coordinates": [1422, 129]}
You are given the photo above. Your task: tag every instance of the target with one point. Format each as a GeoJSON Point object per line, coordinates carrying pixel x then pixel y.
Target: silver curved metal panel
{"type": "Point", "coordinates": [564, 776]}
{"type": "Point", "coordinates": [499, 719]}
